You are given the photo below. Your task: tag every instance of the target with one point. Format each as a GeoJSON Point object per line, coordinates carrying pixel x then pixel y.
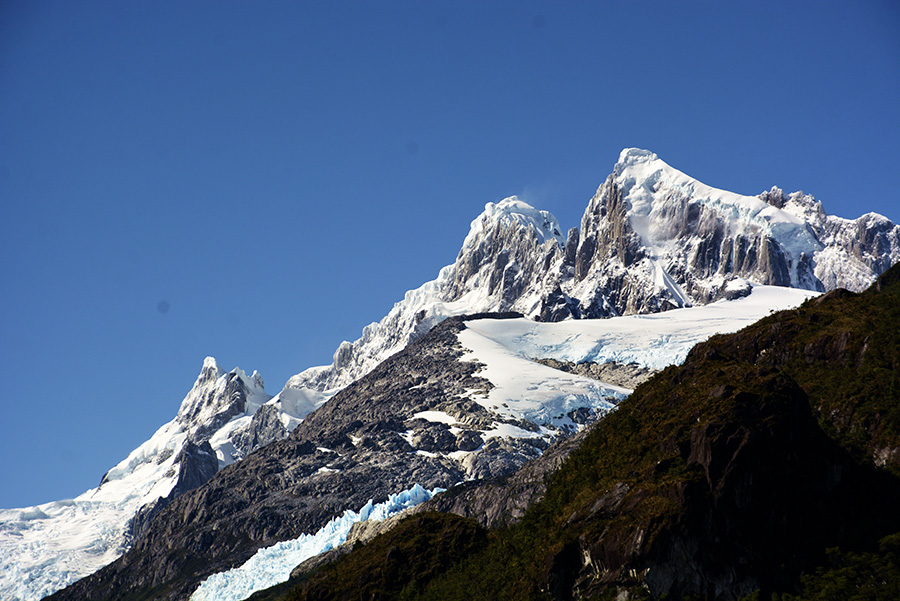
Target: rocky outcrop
{"type": "Point", "coordinates": [196, 465]}
{"type": "Point", "coordinates": [502, 501]}
{"type": "Point", "coordinates": [628, 375]}
{"type": "Point", "coordinates": [265, 427]}
{"type": "Point", "coordinates": [212, 403]}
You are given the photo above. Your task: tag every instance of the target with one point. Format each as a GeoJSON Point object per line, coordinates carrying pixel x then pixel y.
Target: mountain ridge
{"type": "Point", "coordinates": [516, 259]}
{"type": "Point", "coordinates": [621, 260]}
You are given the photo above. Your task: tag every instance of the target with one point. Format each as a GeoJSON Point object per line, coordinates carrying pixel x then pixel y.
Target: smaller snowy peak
{"type": "Point", "coordinates": [509, 261]}
{"type": "Point", "coordinates": [217, 397]}
{"type": "Point", "coordinates": [210, 371]}
{"type": "Point", "coordinates": [511, 211]}
{"type": "Point", "coordinates": [634, 156]}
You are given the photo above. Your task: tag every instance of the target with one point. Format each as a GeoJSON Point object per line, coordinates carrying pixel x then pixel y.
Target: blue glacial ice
{"type": "Point", "coordinates": [273, 565]}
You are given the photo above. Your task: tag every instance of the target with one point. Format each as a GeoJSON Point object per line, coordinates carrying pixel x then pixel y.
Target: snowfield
{"type": "Point", "coordinates": [527, 390]}
{"type": "Point", "coordinates": [655, 341]}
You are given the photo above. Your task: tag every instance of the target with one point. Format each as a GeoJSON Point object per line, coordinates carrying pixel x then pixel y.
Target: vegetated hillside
{"type": "Point", "coordinates": [765, 466]}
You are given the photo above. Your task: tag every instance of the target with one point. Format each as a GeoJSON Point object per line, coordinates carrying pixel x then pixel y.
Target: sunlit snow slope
{"type": "Point", "coordinates": [655, 341]}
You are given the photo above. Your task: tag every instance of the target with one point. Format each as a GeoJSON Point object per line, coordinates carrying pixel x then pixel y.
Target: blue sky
{"type": "Point", "coordinates": [259, 180]}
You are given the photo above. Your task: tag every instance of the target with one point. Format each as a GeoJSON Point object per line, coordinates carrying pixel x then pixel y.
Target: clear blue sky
{"type": "Point", "coordinates": [259, 180]}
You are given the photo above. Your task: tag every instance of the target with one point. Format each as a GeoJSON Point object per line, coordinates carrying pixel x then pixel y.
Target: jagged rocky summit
{"type": "Point", "coordinates": [651, 239]}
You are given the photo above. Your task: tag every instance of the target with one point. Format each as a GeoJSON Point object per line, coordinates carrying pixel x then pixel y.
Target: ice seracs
{"type": "Point", "coordinates": [272, 565]}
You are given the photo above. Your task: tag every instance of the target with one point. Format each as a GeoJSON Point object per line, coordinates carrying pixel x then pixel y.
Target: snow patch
{"type": "Point", "coordinates": [440, 417]}
{"type": "Point", "coordinates": [655, 341]}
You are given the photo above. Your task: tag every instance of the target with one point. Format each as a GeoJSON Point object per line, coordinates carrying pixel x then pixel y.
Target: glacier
{"type": "Point", "coordinates": [273, 565]}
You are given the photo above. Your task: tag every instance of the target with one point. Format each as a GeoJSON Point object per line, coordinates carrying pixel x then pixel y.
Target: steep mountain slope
{"type": "Point", "coordinates": [505, 264]}
{"type": "Point", "coordinates": [728, 476]}
{"type": "Point", "coordinates": [653, 238]}
{"type": "Point", "coordinates": [376, 437]}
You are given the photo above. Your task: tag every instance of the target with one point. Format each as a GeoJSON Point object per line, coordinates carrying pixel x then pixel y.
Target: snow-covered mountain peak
{"type": "Point", "coordinates": [511, 211]}
{"type": "Point", "coordinates": [652, 238]}
{"type": "Point", "coordinates": [210, 371]}
{"type": "Point", "coordinates": [634, 156]}
{"type": "Point", "coordinates": [647, 182]}
{"type": "Point", "coordinates": [217, 397]}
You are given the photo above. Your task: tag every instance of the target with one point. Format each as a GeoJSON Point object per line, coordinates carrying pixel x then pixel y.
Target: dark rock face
{"type": "Point", "coordinates": [265, 428]}
{"type": "Point", "coordinates": [213, 408]}
{"type": "Point", "coordinates": [197, 464]}
{"type": "Point", "coordinates": [557, 306]}
{"type": "Point", "coordinates": [494, 502]}
{"type": "Point", "coordinates": [627, 375]}
{"type": "Point", "coordinates": [730, 539]}
{"type": "Point", "coordinates": [773, 492]}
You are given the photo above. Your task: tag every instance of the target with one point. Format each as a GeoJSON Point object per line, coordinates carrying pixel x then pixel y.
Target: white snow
{"type": "Point", "coordinates": [653, 341]}
{"type": "Point", "coordinates": [513, 210]}
{"type": "Point", "coordinates": [641, 174]}
{"type": "Point", "coordinates": [441, 417]}
{"type": "Point", "coordinates": [47, 547]}
{"type": "Point", "coordinates": [273, 565]}
{"type": "Point", "coordinates": [527, 390]}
